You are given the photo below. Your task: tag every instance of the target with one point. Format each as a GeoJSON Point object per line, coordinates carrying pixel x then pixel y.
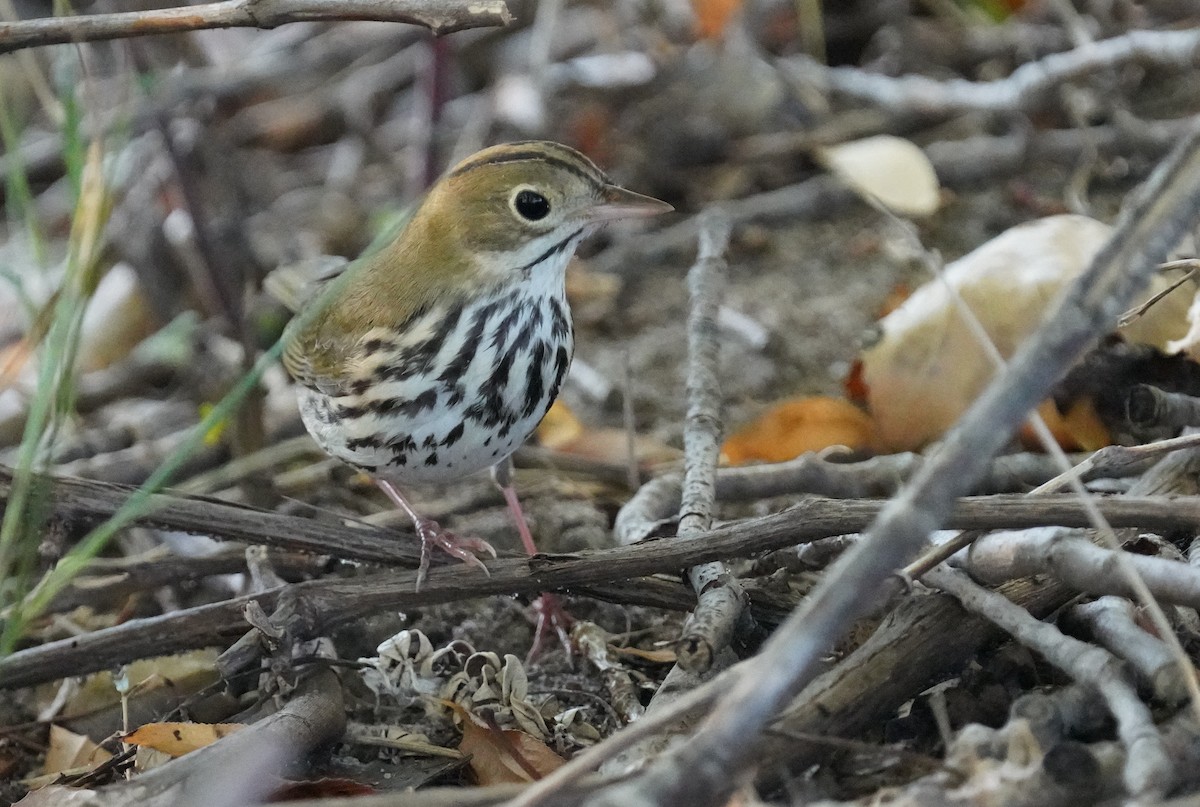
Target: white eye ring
{"type": "Point", "coordinates": [528, 203]}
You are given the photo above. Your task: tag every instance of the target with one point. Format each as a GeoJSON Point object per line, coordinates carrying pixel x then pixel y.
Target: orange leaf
{"type": "Point", "coordinates": [177, 739]}
{"type": "Point", "coordinates": [796, 426]}
{"type": "Point", "coordinates": [503, 756]}
{"type": "Point", "coordinates": [713, 16]}
{"type": "Point", "coordinates": [1077, 429]}
{"type": "Point", "coordinates": [559, 427]}
{"type": "Point", "coordinates": [327, 788]}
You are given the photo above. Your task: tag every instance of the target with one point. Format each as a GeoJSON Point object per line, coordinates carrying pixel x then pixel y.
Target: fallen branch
{"type": "Point", "coordinates": [439, 16]}
{"type": "Point", "coordinates": [1112, 623]}
{"type": "Point", "coordinates": [729, 742]}
{"type": "Point", "coordinates": [1148, 769]}
{"type": "Point", "coordinates": [1025, 89]}
{"type": "Point", "coordinates": [324, 603]}
{"type": "Point", "coordinates": [720, 597]}
{"type": "Point", "coordinates": [246, 765]}
{"type": "Point", "coordinates": [656, 503]}
{"type": "Point", "coordinates": [1071, 556]}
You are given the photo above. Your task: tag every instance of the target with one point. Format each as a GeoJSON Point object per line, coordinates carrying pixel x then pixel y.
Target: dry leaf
{"type": "Point", "coordinates": [889, 169]}
{"type": "Point", "coordinates": [503, 756]}
{"type": "Point", "coordinates": [713, 16]}
{"type": "Point", "coordinates": [591, 294]}
{"type": "Point", "coordinates": [665, 655]}
{"type": "Point", "coordinates": [561, 431]}
{"type": "Point", "coordinates": [184, 673]}
{"type": "Point", "coordinates": [59, 796]}
{"type": "Point", "coordinates": [927, 367]}
{"type": "Point", "coordinates": [117, 319]}
{"type": "Point", "coordinates": [69, 751]}
{"type": "Point", "coordinates": [796, 426]}
{"type": "Point", "coordinates": [559, 427]}
{"type": "Point", "coordinates": [327, 788]}
{"type": "Point", "coordinates": [1078, 429]}
{"type": "Point", "coordinates": [178, 739]}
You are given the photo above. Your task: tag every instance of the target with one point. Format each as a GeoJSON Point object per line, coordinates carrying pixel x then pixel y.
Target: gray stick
{"type": "Point", "coordinates": [706, 770]}
{"type": "Point", "coordinates": [439, 16]}
{"type": "Point", "coordinates": [721, 598]}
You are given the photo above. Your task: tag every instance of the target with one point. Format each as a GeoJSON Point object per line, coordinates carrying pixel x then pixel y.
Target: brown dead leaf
{"type": "Point", "coordinates": [178, 739]}
{"type": "Point", "coordinates": [70, 751]}
{"type": "Point", "coordinates": [559, 427]}
{"type": "Point", "coordinates": [928, 366]}
{"type": "Point", "coordinates": [561, 431]}
{"type": "Point", "coordinates": [502, 756]}
{"type": "Point", "coordinates": [793, 427]}
{"type": "Point", "coordinates": [1078, 429]}
{"type": "Point", "coordinates": [664, 655]}
{"type": "Point", "coordinates": [713, 16]}
{"type": "Point", "coordinates": [327, 788]}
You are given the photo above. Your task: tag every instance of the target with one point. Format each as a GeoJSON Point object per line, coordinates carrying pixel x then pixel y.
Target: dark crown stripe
{"type": "Point", "coordinates": [572, 166]}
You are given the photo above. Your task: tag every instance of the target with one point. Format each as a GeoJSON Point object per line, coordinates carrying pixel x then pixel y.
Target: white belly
{"type": "Point", "coordinates": [454, 404]}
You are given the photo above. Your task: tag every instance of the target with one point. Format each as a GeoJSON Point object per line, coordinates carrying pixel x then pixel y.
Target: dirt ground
{"type": "Point", "coordinates": [310, 146]}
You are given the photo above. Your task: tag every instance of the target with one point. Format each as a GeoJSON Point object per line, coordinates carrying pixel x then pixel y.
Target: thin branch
{"type": "Point", "coordinates": [1112, 622]}
{"type": "Point", "coordinates": [1071, 557]}
{"type": "Point", "coordinates": [1148, 769]}
{"type": "Point", "coordinates": [1028, 87]}
{"type": "Point", "coordinates": [82, 502]}
{"type": "Point", "coordinates": [720, 598]}
{"type": "Point", "coordinates": [655, 504]}
{"type": "Point", "coordinates": [242, 767]}
{"type": "Point", "coordinates": [439, 16]}
{"type": "Point", "coordinates": [704, 771]}
{"type": "Point", "coordinates": [325, 603]}
{"type": "Point", "coordinates": [958, 163]}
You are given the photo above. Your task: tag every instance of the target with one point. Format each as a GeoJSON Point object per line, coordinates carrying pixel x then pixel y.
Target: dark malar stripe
{"type": "Point", "coordinates": [552, 251]}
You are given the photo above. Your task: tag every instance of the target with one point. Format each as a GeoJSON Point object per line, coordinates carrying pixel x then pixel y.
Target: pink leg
{"type": "Point", "coordinates": [432, 535]}
{"type": "Point", "coordinates": [548, 608]}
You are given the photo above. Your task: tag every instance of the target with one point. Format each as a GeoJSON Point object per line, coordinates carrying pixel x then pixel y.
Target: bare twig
{"type": "Point", "coordinates": [1071, 557]}
{"type": "Point", "coordinates": [720, 598]}
{"type": "Point", "coordinates": [1026, 88]}
{"type": "Point", "coordinates": [958, 163]}
{"type": "Point", "coordinates": [439, 16]}
{"type": "Point", "coordinates": [705, 770]}
{"type": "Point", "coordinates": [238, 768]}
{"type": "Point", "coordinates": [656, 503]}
{"type": "Point", "coordinates": [1111, 621]}
{"type": "Point", "coordinates": [1147, 405]}
{"type": "Point", "coordinates": [1148, 769]}
{"type": "Point", "coordinates": [330, 602]}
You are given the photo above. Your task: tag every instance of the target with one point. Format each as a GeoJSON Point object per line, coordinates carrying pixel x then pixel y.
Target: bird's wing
{"type": "Point", "coordinates": [297, 283]}
{"type": "Point", "coordinates": [320, 352]}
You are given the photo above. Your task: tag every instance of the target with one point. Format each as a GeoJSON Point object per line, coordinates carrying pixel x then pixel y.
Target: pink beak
{"type": "Point", "coordinates": [619, 203]}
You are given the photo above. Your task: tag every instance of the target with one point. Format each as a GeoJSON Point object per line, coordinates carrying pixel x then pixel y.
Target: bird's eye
{"type": "Point", "coordinates": [531, 205]}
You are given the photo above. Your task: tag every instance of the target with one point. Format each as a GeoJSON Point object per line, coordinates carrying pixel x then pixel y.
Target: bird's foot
{"type": "Point", "coordinates": [434, 536]}
{"type": "Point", "coordinates": [550, 618]}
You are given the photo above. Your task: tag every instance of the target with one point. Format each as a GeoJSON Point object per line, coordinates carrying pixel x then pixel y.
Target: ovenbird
{"type": "Point", "coordinates": [436, 355]}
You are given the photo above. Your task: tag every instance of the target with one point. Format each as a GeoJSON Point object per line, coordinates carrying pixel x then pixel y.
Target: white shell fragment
{"type": "Point", "coordinates": [890, 170]}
